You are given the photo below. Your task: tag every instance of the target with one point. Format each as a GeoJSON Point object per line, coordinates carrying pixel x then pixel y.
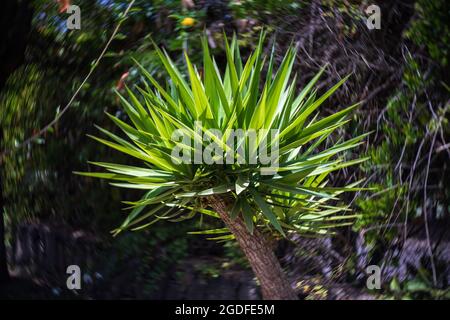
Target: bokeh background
{"type": "Point", "coordinates": [51, 218]}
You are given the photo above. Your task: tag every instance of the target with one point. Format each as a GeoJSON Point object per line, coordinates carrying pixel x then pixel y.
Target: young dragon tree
{"type": "Point", "coordinates": [204, 144]}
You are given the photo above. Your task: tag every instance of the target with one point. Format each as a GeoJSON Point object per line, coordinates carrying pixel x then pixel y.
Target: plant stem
{"type": "Point", "coordinates": [265, 265]}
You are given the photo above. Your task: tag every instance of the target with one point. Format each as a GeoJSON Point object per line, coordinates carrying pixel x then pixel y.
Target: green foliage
{"type": "Point", "coordinates": [36, 179]}
{"type": "Point", "coordinates": [140, 261]}
{"type": "Point", "coordinates": [408, 122]}
{"type": "Point", "coordinates": [417, 111]}
{"type": "Point", "coordinates": [234, 255]}
{"type": "Point", "coordinates": [431, 29]}
{"type": "Point", "coordinates": [295, 198]}
{"type": "Point", "coordinates": [244, 9]}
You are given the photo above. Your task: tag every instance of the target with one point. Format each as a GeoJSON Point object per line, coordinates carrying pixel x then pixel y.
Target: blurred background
{"type": "Point", "coordinates": [51, 218]}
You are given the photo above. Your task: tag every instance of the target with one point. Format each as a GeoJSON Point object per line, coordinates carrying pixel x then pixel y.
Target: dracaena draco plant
{"type": "Point", "coordinates": [257, 202]}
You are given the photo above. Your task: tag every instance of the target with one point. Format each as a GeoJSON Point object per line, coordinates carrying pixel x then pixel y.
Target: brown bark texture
{"type": "Point", "coordinates": [265, 265]}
